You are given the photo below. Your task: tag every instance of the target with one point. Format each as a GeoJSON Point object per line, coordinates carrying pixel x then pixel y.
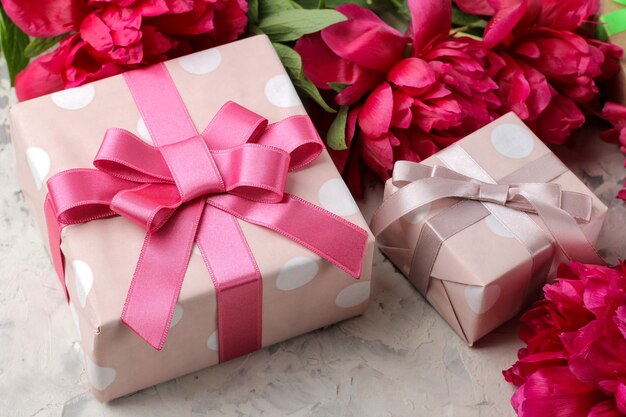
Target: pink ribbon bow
{"type": "Point", "coordinates": [190, 188]}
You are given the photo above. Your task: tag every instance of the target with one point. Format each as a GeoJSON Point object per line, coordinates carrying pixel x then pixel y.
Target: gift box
{"type": "Point", "coordinates": [613, 26]}
{"type": "Point", "coordinates": [480, 226]}
{"type": "Point", "coordinates": [262, 208]}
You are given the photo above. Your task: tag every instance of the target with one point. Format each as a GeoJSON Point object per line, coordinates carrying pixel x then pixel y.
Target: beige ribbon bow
{"type": "Point", "coordinates": [420, 185]}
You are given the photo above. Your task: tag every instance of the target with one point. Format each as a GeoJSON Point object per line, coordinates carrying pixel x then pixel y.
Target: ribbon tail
{"type": "Point", "coordinates": [159, 274]}
{"type": "Point", "coordinates": [306, 224]}
{"type": "Point", "coordinates": [567, 234]}
{"type": "Point", "coordinates": [54, 242]}
{"type": "Point", "coordinates": [239, 287]}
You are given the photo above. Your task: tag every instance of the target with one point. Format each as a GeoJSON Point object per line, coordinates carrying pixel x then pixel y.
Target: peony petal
{"type": "Point", "coordinates": [377, 154]}
{"type": "Point", "coordinates": [430, 20]}
{"type": "Point", "coordinates": [376, 113]}
{"type": "Point", "coordinates": [366, 83]}
{"type": "Point", "coordinates": [477, 7]}
{"type": "Point", "coordinates": [556, 123]}
{"type": "Point", "coordinates": [620, 320]}
{"type": "Point", "coordinates": [507, 16]}
{"type": "Point", "coordinates": [37, 80]}
{"type": "Point", "coordinates": [605, 409]}
{"type": "Point", "coordinates": [412, 72]}
{"type": "Point", "coordinates": [555, 392]}
{"type": "Point", "coordinates": [620, 397]}
{"type": "Point", "coordinates": [46, 18]}
{"type": "Point", "coordinates": [402, 115]}
{"type": "Point", "coordinates": [96, 33]}
{"type": "Point", "coordinates": [566, 15]}
{"type": "Point", "coordinates": [313, 50]}
{"type": "Point", "coordinates": [365, 39]}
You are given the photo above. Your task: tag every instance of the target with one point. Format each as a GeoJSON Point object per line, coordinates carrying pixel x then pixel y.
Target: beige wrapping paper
{"type": "Point", "coordinates": [301, 292]}
{"type": "Point", "coordinates": [482, 275]}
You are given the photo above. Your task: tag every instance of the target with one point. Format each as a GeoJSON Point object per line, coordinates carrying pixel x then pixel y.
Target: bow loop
{"type": "Point", "coordinates": [149, 205]}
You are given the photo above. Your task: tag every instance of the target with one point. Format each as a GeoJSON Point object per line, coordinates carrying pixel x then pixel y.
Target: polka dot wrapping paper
{"type": "Point", "coordinates": [301, 291]}
{"type": "Point", "coordinates": [483, 275]}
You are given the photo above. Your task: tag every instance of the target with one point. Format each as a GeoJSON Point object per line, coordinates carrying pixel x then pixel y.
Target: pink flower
{"type": "Point", "coordinates": [44, 18]}
{"type": "Point", "coordinates": [554, 391]}
{"type": "Point", "coordinates": [576, 339]}
{"type": "Point", "coordinates": [548, 65]}
{"type": "Point", "coordinates": [117, 35]}
{"type": "Point", "coordinates": [405, 107]}
{"type": "Point", "coordinates": [358, 52]}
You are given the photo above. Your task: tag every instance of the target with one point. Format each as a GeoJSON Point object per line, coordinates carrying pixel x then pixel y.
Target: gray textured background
{"type": "Point", "coordinates": [399, 359]}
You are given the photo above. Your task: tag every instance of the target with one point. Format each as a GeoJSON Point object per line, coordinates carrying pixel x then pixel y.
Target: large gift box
{"type": "Point", "coordinates": [262, 208]}
{"type": "Point", "coordinates": [613, 25]}
{"type": "Point", "coordinates": [481, 225]}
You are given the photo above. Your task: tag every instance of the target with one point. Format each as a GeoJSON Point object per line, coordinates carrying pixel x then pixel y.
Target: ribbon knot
{"type": "Point", "coordinates": [191, 188]}
{"type": "Point", "coordinates": [192, 156]}
{"type": "Point", "coordinates": [493, 193]}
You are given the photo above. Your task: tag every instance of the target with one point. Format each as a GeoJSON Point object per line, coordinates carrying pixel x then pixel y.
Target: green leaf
{"type": "Point", "coordinates": [293, 64]}
{"type": "Point", "coordinates": [291, 60]}
{"type": "Point", "coordinates": [336, 137]}
{"type": "Point", "coordinates": [253, 11]}
{"type": "Point", "coordinates": [460, 18]}
{"type": "Point", "coordinates": [289, 25]}
{"type": "Point", "coordinates": [271, 7]}
{"type": "Point", "coordinates": [310, 90]}
{"type": "Point", "coordinates": [38, 46]}
{"type": "Point", "coordinates": [13, 42]}
{"type": "Point", "coordinates": [338, 87]}
{"type": "Point", "coordinates": [331, 4]}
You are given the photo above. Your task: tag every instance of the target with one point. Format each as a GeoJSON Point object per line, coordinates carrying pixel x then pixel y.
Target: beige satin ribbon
{"type": "Point", "coordinates": [509, 200]}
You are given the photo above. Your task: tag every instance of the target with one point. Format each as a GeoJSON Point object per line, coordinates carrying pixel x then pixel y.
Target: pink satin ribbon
{"type": "Point", "coordinates": [420, 185]}
{"type": "Point", "coordinates": [192, 187]}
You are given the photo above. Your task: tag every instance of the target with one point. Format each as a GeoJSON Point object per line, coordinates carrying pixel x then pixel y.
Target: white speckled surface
{"type": "Point", "coordinates": [399, 359]}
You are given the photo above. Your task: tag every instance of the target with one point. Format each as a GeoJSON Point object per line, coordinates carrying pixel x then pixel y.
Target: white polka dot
{"type": "Point", "coordinates": [482, 299]}
{"type": "Point", "coordinates": [178, 314]}
{"type": "Point", "coordinates": [201, 62]}
{"type": "Point", "coordinates": [213, 342]}
{"type": "Point", "coordinates": [98, 376]}
{"type": "Point", "coordinates": [83, 276]}
{"type": "Point", "coordinates": [418, 215]}
{"type": "Point", "coordinates": [280, 92]}
{"type": "Point", "coordinates": [74, 98]}
{"type": "Point", "coordinates": [513, 141]}
{"type": "Point", "coordinates": [353, 295]}
{"type": "Point", "coordinates": [143, 132]}
{"type": "Point", "coordinates": [296, 273]}
{"type": "Point", "coordinates": [497, 227]}
{"type": "Point", "coordinates": [39, 163]}
{"type": "Point", "coordinates": [75, 318]}
{"type": "Point", "coordinates": [336, 198]}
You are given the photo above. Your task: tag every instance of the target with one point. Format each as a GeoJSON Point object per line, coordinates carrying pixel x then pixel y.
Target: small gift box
{"type": "Point", "coordinates": [480, 226]}
{"type": "Point", "coordinates": [613, 25]}
{"type": "Point", "coordinates": [214, 222]}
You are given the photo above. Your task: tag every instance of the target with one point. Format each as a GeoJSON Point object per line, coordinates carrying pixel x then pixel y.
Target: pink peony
{"type": "Point", "coordinates": [116, 35]}
{"type": "Point", "coordinates": [548, 65]}
{"type": "Point", "coordinates": [405, 107]}
{"type": "Point", "coordinates": [576, 338]}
